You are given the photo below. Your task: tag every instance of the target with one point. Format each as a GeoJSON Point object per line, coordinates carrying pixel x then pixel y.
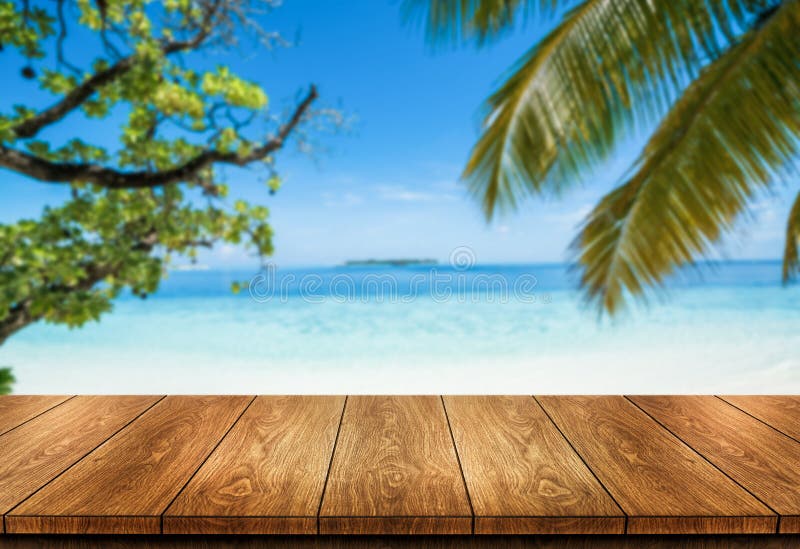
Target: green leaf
{"type": "Point", "coordinates": [274, 183]}
{"type": "Point", "coordinates": [7, 380]}
{"type": "Point", "coordinates": [791, 262]}
{"type": "Point", "coordinates": [454, 21]}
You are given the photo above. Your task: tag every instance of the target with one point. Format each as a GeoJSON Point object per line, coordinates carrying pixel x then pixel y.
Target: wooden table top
{"type": "Point", "coordinates": [400, 464]}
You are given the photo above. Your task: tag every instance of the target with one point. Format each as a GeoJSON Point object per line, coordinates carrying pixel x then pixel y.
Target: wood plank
{"type": "Point", "coordinates": [762, 460]}
{"type": "Point", "coordinates": [385, 525]}
{"type": "Point", "coordinates": [124, 485]}
{"type": "Point", "coordinates": [267, 476]}
{"type": "Point", "coordinates": [660, 483]}
{"type": "Point", "coordinates": [758, 541]}
{"type": "Point", "coordinates": [17, 409]}
{"type": "Point", "coordinates": [36, 452]}
{"type": "Point", "coordinates": [549, 525]}
{"type": "Point", "coordinates": [780, 412]}
{"type": "Point", "coordinates": [84, 525]}
{"type": "Point", "coordinates": [395, 470]}
{"type": "Point", "coordinates": [522, 475]}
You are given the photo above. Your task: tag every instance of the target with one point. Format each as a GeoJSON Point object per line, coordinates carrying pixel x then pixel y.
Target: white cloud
{"type": "Point", "coordinates": [344, 199]}
{"type": "Point", "coordinates": [400, 193]}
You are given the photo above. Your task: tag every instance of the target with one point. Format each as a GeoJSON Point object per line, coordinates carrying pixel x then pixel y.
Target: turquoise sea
{"type": "Point", "coordinates": [722, 328]}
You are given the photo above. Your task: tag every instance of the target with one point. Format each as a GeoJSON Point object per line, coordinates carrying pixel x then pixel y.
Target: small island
{"type": "Point", "coordinates": [388, 262]}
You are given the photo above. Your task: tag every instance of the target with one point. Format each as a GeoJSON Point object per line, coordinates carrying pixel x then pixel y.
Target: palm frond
{"type": "Point", "coordinates": [791, 261]}
{"type": "Point", "coordinates": [456, 21]}
{"type": "Point", "coordinates": [606, 67]}
{"type": "Point", "coordinates": [727, 137]}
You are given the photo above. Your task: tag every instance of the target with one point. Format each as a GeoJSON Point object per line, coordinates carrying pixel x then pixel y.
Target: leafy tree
{"type": "Point", "coordinates": [6, 381]}
{"type": "Point", "coordinates": [156, 191]}
{"type": "Point", "coordinates": [725, 72]}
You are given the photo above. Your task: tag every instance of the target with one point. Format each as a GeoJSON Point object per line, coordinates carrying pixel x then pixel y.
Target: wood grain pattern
{"type": "Point", "coordinates": [17, 409]}
{"type": "Point", "coordinates": [34, 453]}
{"type": "Point", "coordinates": [267, 475]}
{"type": "Point", "coordinates": [240, 525]}
{"type": "Point", "coordinates": [395, 470]}
{"type": "Point", "coordinates": [125, 484]}
{"type": "Point", "coordinates": [86, 525]}
{"type": "Point", "coordinates": [780, 412]}
{"type": "Point", "coordinates": [403, 542]}
{"type": "Point", "coordinates": [700, 525]}
{"type": "Point", "coordinates": [790, 525]}
{"type": "Point", "coordinates": [395, 525]}
{"type": "Point", "coordinates": [245, 465]}
{"type": "Point", "coordinates": [549, 525]}
{"type": "Point", "coordinates": [522, 475]}
{"type": "Point", "coordinates": [762, 460]}
{"type": "Point", "coordinates": [660, 483]}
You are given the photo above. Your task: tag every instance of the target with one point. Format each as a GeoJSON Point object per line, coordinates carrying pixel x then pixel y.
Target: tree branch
{"type": "Point", "coordinates": [62, 36]}
{"type": "Point", "coordinates": [30, 127]}
{"type": "Point", "coordinates": [54, 172]}
{"type": "Point", "coordinates": [74, 99]}
{"type": "Point", "coordinates": [20, 315]}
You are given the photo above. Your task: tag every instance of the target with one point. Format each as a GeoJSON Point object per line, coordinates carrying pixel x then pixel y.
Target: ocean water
{"type": "Point", "coordinates": [724, 328]}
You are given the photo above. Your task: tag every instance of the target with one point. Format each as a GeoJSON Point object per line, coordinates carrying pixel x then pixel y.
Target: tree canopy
{"type": "Point", "coordinates": [157, 190]}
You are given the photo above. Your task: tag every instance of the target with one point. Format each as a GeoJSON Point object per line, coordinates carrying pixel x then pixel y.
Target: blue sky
{"type": "Point", "coordinates": [388, 186]}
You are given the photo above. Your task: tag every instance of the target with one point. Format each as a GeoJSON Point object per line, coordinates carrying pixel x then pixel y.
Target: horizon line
{"type": "Point", "coordinates": [187, 268]}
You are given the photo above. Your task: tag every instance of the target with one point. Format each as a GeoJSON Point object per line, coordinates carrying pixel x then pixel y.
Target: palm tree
{"type": "Point", "coordinates": [721, 78]}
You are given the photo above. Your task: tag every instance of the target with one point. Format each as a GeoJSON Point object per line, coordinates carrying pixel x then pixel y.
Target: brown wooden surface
{"type": "Point", "coordinates": [661, 484]}
{"type": "Point", "coordinates": [395, 470]}
{"type": "Point", "coordinates": [239, 525]}
{"type": "Point", "coordinates": [780, 412]}
{"type": "Point", "coordinates": [522, 475]}
{"type": "Point", "coordinates": [389, 465]}
{"type": "Point", "coordinates": [83, 525]}
{"type": "Point", "coordinates": [125, 484]}
{"type": "Point", "coordinates": [34, 453]}
{"type": "Point", "coordinates": [549, 525]}
{"type": "Point", "coordinates": [404, 542]}
{"type": "Point", "coordinates": [17, 409]}
{"type": "Point", "coordinates": [382, 525]}
{"type": "Point", "coordinates": [267, 475]}
{"type": "Point", "coordinates": [762, 460]}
